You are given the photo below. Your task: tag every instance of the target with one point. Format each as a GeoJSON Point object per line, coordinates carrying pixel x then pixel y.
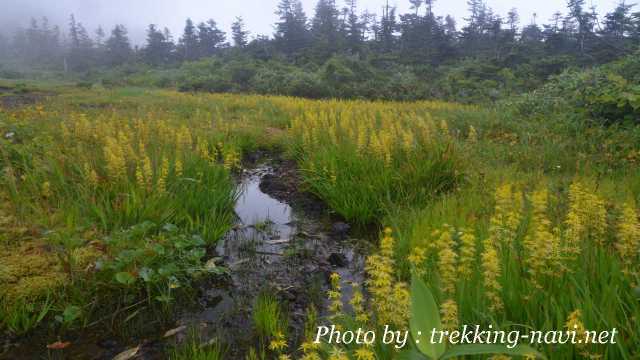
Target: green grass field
{"type": "Point", "coordinates": [110, 197]}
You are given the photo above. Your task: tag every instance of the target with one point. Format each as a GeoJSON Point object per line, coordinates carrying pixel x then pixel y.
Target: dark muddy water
{"type": "Point", "coordinates": [277, 246]}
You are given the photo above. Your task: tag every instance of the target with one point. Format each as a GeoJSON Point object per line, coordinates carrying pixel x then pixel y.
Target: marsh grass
{"type": "Point", "coordinates": [194, 349]}
{"type": "Point", "coordinates": [268, 317]}
{"type": "Point", "coordinates": [67, 201]}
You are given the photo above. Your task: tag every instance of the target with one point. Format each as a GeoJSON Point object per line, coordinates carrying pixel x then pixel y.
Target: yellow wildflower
{"type": "Point", "coordinates": [541, 245]}
{"type": "Point", "coordinates": [140, 177]}
{"type": "Point", "coordinates": [628, 244]}
{"type": "Point", "coordinates": [417, 256]}
{"type": "Point", "coordinates": [309, 346]}
{"type": "Point", "coordinates": [491, 273]}
{"type": "Point", "coordinates": [390, 298]}
{"type": "Point", "coordinates": [449, 313]}
{"type": "Point", "coordinates": [338, 354]}
{"type": "Point", "coordinates": [447, 259]}
{"type": "Point", "coordinates": [178, 167]}
{"type": "Point", "coordinates": [444, 128]}
{"type": "Point", "coordinates": [278, 343]}
{"type": "Point", "coordinates": [357, 303]}
{"type": "Point", "coordinates": [115, 160]}
{"type": "Point", "coordinates": [473, 135]}
{"type": "Point", "coordinates": [467, 255]}
{"type": "Point", "coordinates": [162, 177]}
{"type": "Point", "coordinates": [586, 219]}
{"type": "Point", "coordinates": [183, 139]}
{"type": "Point", "coordinates": [311, 356]}
{"type": "Point", "coordinates": [364, 353]}
{"type": "Point", "coordinates": [90, 175]}
{"type": "Point", "coordinates": [574, 323]}
{"type": "Point", "coordinates": [46, 189]}
{"type": "Point", "coordinates": [507, 214]}
{"type": "Point", "coordinates": [147, 172]}
{"type": "Point", "coordinates": [334, 295]}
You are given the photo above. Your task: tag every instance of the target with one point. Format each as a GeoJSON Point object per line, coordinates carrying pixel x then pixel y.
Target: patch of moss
{"type": "Point", "coordinates": [29, 271]}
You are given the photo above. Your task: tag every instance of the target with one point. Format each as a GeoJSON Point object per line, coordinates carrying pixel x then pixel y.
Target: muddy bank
{"type": "Point", "coordinates": [11, 98]}
{"type": "Point", "coordinates": [285, 243]}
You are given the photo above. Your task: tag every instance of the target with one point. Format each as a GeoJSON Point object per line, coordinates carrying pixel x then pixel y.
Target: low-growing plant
{"type": "Point", "coordinates": [268, 318]}
{"type": "Point", "coordinates": [194, 349]}
{"type": "Point", "coordinates": [158, 260]}
{"type": "Point", "coordinates": [20, 318]}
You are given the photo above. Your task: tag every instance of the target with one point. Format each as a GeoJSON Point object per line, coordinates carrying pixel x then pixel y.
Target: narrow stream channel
{"type": "Point", "coordinates": [276, 246]}
{"type": "Point", "coordinates": [279, 248]}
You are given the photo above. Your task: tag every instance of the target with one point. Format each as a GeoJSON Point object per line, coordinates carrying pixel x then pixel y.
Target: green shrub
{"type": "Point", "coordinates": [605, 95]}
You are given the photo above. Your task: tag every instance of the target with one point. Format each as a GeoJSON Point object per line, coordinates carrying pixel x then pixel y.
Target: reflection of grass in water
{"type": "Point", "coordinates": [265, 226]}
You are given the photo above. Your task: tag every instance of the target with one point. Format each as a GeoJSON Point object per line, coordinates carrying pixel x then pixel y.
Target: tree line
{"type": "Point", "coordinates": [419, 39]}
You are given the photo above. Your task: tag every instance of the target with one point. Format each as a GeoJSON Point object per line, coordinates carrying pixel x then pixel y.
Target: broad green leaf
{"type": "Point", "coordinates": [425, 317]}
{"type": "Point", "coordinates": [125, 278]}
{"type": "Point", "coordinates": [71, 313]}
{"type": "Point", "coordinates": [483, 349]}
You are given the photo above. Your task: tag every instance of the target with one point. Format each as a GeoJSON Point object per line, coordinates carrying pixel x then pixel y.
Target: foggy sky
{"type": "Point", "coordinates": [258, 14]}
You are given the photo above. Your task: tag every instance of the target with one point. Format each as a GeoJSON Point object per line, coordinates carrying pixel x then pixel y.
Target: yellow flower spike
{"type": "Point", "coordinates": [178, 168]}
{"type": "Point", "coordinates": [147, 172]}
{"type": "Point", "coordinates": [279, 343]}
{"type": "Point", "coordinates": [90, 175]}
{"type": "Point", "coordinates": [311, 356]}
{"type": "Point", "coordinates": [574, 323]}
{"type": "Point", "coordinates": [449, 313]}
{"type": "Point", "coordinates": [467, 255]}
{"type": "Point", "coordinates": [628, 244]}
{"type": "Point", "coordinates": [357, 303]}
{"type": "Point", "coordinates": [115, 160]}
{"type": "Point", "coordinates": [335, 295]}
{"type": "Point", "coordinates": [338, 354]}
{"type": "Point", "coordinates": [364, 353]}
{"type": "Point", "coordinates": [202, 148]}
{"type": "Point", "coordinates": [390, 298]}
{"type": "Point", "coordinates": [388, 231]}
{"type": "Point", "coordinates": [444, 128]}
{"type": "Point", "coordinates": [541, 245]}
{"type": "Point", "coordinates": [140, 177]}
{"type": "Point", "coordinates": [46, 189]}
{"type": "Point", "coordinates": [309, 346]}
{"type": "Point", "coordinates": [335, 279]}
{"type": "Point", "coordinates": [586, 219]}
{"type": "Point", "coordinates": [447, 264]}
{"type": "Point", "coordinates": [491, 274]}
{"type": "Point", "coordinates": [417, 256]}
{"type": "Point", "coordinates": [402, 300]}
{"type": "Point", "coordinates": [183, 139]}
{"type": "Point", "coordinates": [162, 177]}
{"type": "Point", "coordinates": [507, 214]}
{"type": "Point", "coordinates": [473, 135]}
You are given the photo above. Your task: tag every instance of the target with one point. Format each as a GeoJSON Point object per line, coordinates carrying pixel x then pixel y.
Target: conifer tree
{"type": "Point", "coordinates": [238, 33]}
{"type": "Point", "coordinates": [118, 47]}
